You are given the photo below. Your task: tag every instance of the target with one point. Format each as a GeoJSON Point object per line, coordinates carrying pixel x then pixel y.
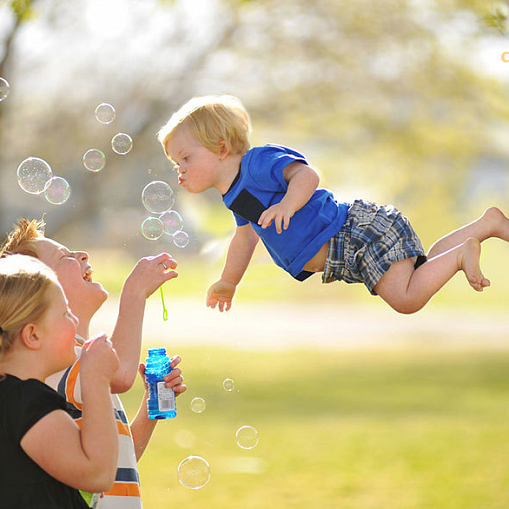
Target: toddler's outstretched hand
{"type": "Point", "coordinates": [279, 213]}
{"type": "Point", "coordinates": [221, 293]}
{"type": "Point", "coordinates": [99, 358]}
{"type": "Point", "coordinates": [150, 273]}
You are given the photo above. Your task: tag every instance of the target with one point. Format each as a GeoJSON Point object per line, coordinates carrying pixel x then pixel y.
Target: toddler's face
{"type": "Point", "coordinates": [197, 165]}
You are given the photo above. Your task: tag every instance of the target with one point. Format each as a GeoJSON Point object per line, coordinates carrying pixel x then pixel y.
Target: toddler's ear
{"type": "Point", "coordinates": [223, 151]}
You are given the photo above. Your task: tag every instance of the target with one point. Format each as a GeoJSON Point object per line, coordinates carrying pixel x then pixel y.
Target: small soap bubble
{"type": "Point", "coordinates": [228, 384]}
{"type": "Point", "coordinates": [157, 197]}
{"type": "Point", "coordinates": [181, 238]}
{"type": "Point", "coordinates": [194, 472]}
{"type": "Point", "coordinates": [58, 191]}
{"type": "Point", "coordinates": [105, 113]}
{"type": "Point", "coordinates": [198, 405]}
{"type": "Point", "coordinates": [4, 89]}
{"type": "Point", "coordinates": [34, 175]}
{"type": "Point", "coordinates": [94, 160]}
{"type": "Point", "coordinates": [152, 228]}
{"type": "Point", "coordinates": [172, 221]}
{"type": "Point", "coordinates": [247, 437]}
{"type": "Point", "coordinates": [122, 143]}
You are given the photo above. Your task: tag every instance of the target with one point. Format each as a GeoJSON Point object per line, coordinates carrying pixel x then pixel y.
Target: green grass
{"type": "Point", "coordinates": [264, 281]}
{"type": "Point", "coordinates": [337, 429]}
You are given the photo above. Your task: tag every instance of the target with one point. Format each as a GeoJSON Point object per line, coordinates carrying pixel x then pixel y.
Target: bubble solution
{"type": "Point", "coordinates": [161, 402]}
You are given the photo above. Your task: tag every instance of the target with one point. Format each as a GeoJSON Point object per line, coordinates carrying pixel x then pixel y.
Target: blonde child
{"type": "Point", "coordinates": [46, 457]}
{"type": "Point", "coordinates": [85, 297]}
{"type": "Point", "coordinates": [273, 194]}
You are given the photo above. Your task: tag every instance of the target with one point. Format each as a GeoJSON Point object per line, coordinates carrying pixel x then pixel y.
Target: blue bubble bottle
{"type": "Point", "coordinates": [161, 403]}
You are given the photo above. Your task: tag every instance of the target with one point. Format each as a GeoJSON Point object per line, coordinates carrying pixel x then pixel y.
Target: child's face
{"type": "Point", "coordinates": [74, 274]}
{"type": "Point", "coordinates": [57, 330]}
{"type": "Point", "coordinates": [197, 165]}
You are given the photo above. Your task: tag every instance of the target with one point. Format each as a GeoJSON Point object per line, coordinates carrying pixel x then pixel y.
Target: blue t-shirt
{"type": "Point", "coordinates": [261, 184]}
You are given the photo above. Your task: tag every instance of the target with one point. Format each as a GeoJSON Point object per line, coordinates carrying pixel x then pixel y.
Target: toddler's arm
{"type": "Point", "coordinates": [239, 255]}
{"type": "Point", "coordinates": [302, 183]}
{"type": "Point", "coordinates": [142, 427]}
{"type": "Point", "coordinates": [83, 458]}
{"type": "Point", "coordinates": [146, 277]}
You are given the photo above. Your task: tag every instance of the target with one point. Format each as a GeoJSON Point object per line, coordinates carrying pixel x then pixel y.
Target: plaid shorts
{"type": "Point", "coordinates": [371, 240]}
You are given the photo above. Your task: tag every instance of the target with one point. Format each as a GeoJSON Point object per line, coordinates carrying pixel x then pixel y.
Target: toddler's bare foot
{"type": "Point", "coordinates": [498, 223]}
{"type": "Point", "coordinates": [469, 263]}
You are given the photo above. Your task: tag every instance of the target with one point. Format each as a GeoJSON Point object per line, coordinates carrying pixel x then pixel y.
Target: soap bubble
{"type": "Point", "coordinates": [4, 89]}
{"type": "Point", "coordinates": [157, 197]}
{"type": "Point", "coordinates": [181, 239]}
{"type": "Point", "coordinates": [228, 384]}
{"type": "Point", "coordinates": [34, 175]}
{"type": "Point", "coordinates": [152, 228]}
{"type": "Point", "coordinates": [105, 113]}
{"type": "Point", "coordinates": [94, 160]}
{"type": "Point", "coordinates": [58, 191]}
{"type": "Point", "coordinates": [122, 143]}
{"type": "Point", "coordinates": [172, 221]}
{"type": "Point", "coordinates": [194, 472]}
{"type": "Point", "coordinates": [198, 405]}
{"type": "Point", "coordinates": [247, 437]}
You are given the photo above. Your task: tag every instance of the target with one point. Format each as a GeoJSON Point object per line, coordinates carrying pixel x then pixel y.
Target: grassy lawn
{"type": "Point", "coordinates": [337, 429]}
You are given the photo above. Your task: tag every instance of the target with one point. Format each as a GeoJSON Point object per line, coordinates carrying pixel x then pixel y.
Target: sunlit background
{"type": "Point", "coordinates": [397, 101]}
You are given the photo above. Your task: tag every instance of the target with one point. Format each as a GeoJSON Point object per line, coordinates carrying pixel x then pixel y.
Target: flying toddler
{"type": "Point", "coordinates": [274, 196]}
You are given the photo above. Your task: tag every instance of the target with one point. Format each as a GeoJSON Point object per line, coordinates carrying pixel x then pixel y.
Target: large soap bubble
{"type": "Point", "coordinates": [157, 197]}
{"type": "Point", "coordinates": [194, 472]}
{"type": "Point", "coordinates": [34, 175]}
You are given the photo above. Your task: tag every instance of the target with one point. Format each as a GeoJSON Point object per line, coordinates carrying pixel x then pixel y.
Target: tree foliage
{"type": "Point", "coordinates": [379, 95]}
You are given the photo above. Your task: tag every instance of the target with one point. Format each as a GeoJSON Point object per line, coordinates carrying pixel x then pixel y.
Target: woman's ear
{"type": "Point", "coordinates": [29, 336]}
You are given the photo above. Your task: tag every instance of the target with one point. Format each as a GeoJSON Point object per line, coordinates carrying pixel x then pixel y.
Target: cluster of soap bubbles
{"type": "Point", "coordinates": [157, 198]}
{"type": "Point", "coordinates": [94, 159]}
{"type": "Point", "coordinates": [35, 176]}
{"type": "Point", "coordinates": [194, 471]}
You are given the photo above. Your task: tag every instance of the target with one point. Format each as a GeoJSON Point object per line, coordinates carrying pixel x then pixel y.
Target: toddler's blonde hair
{"type": "Point", "coordinates": [24, 295]}
{"type": "Point", "coordinates": [214, 120]}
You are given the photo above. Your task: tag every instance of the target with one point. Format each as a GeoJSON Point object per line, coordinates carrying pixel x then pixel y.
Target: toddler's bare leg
{"type": "Point", "coordinates": [493, 223]}
{"type": "Point", "coordinates": [407, 290]}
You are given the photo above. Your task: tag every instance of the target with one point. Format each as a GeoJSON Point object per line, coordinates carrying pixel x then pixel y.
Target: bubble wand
{"type": "Point", "coordinates": [165, 311]}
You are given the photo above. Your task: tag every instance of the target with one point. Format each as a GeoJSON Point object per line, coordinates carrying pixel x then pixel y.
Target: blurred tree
{"type": "Point", "coordinates": [377, 94]}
